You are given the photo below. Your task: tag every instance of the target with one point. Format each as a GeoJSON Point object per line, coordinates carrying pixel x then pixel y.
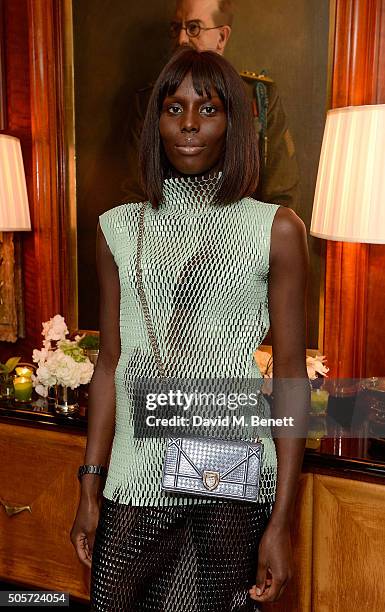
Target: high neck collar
{"type": "Point", "coordinates": [189, 194]}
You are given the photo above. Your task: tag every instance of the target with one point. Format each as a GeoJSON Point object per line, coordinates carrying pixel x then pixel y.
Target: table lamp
{"type": "Point", "coordinates": [14, 210]}
{"type": "Point", "coordinates": [349, 202]}
{"type": "Point", "coordinates": [14, 217]}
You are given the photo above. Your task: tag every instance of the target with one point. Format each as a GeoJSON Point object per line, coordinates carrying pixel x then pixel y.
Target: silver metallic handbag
{"type": "Point", "coordinates": [197, 465]}
{"type": "Point", "coordinates": [208, 466]}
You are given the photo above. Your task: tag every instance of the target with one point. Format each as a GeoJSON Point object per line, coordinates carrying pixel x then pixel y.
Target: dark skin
{"type": "Point", "coordinates": [187, 121]}
{"type": "Point", "coordinates": [101, 402]}
{"type": "Point", "coordinates": [193, 130]}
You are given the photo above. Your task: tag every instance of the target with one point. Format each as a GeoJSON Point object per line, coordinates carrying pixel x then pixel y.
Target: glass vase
{"type": "Point", "coordinates": [51, 397]}
{"type": "Point", "coordinates": [66, 400]}
{"type": "Point", "coordinates": [92, 355]}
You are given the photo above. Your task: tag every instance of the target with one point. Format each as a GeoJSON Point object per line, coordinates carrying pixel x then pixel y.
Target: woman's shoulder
{"type": "Point", "coordinates": [258, 205]}
{"type": "Point", "coordinates": [288, 237]}
{"type": "Point", "coordinates": [261, 213]}
{"type": "Point", "coordinates": [282, 215]}
{"type": "Point", "coordinates": [121, 211]}
{"type": "Point", "coordinates": [116, 221]}
{"type": "Point", "coordinates": [279, 224]}
{"type": "Point", "coordinates": [287, 222]}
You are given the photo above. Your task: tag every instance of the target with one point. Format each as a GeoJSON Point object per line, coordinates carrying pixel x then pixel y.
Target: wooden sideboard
{"type": "Point", "coordinates": [338, 532]}
{"type": "Point", "coordinates": [338, 545]}
{"type": "Point", "coordinates": [38, 477]}
{"type": "Point", "coordinates": [348, 545]}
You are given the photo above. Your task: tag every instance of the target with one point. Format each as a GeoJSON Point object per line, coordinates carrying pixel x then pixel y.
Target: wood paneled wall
{"type": "Point", "coordinates": [355, 283]}
{"type": "Point", "coordinates": [34, 103]}
{"type": "Point", "coordinates": [354, 338]}
{"type": "Point", "coordinates": [17, 63]}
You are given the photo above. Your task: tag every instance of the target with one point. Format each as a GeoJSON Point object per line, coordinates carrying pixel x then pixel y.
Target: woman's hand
{"type": "Point", "coordinates": [84, 528]}
{"type": "Point", "coordinates": [274, 564]}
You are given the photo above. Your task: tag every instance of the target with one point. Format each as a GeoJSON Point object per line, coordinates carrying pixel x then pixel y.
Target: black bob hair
{"type": "Point", "coordinates": [209, 71]}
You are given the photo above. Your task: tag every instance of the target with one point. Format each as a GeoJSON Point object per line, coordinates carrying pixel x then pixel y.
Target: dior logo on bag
{"type": "Point", "coordinates": [211, 479]}
{"type": "Point", "coordinates": [212, 467]}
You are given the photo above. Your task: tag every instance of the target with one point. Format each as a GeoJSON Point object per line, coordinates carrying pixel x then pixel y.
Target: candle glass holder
{"type": "Point", "coordinates": [22, 389]}
{"type": "Point", "coordinates": [22, 382]}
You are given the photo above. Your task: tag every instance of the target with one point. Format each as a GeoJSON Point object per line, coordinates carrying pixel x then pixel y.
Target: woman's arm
{"type": "Point", "coordinates": [101, 401]}
{"type": "Point", "coordinates": [289, 264]}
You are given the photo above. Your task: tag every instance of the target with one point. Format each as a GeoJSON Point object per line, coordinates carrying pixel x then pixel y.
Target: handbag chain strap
{"type": "Point", "coordinates": [142, 295]}
{"type": "Point", "coordinates": [143, 300]}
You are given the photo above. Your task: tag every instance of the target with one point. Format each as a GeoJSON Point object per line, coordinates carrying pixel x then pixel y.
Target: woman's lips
{"type": "Point", "coordinates": [189, 149]}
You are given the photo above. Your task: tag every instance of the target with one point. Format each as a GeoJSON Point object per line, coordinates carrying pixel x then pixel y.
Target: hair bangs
{"type": "Point", "coordinates": [205, 76]}
{"type": "Point", "coordinates": [206, 80]}
{"type": "Point", "coordinates": [173, 80]}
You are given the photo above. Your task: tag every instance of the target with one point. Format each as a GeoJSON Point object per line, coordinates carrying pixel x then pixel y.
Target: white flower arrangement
{"type": "Point", "coordinates": [60, 361]}
{"type": "Point", "coordinates": [315, 367]}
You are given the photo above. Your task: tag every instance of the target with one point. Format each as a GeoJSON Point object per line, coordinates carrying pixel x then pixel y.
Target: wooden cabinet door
{"type": "Point", "coordinates": [38, 471]}
{"type": "Point", "coordinates": [297, 595]}
{"type": "Point", "coordinates": [348, 545]}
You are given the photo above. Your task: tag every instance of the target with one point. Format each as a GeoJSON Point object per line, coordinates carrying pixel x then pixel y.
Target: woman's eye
{"type": "Point", "coordinates": [174, 109]}
{"type": "Point", "coordinates": [208, 110]}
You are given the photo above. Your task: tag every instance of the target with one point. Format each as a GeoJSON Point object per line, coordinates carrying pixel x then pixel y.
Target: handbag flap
{"type": "Point", "coordinates": [231, 459]}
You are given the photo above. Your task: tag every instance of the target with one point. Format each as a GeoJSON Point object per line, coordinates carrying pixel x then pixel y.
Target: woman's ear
{"type": "Point", "coordinates": [224, 35]}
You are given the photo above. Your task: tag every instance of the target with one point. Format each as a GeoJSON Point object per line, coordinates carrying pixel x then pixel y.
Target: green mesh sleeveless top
{"type": "Point", "coordinates": [226, 320]}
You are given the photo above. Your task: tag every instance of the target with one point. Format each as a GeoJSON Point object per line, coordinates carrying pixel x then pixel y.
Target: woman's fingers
{"type": "Point", "coordinates": [274, 564]}
{"type": "Point", "coordinates": [84, 529]}
{"type": "Point", "coordinates": [273, 592]}
{"type": "Point", "coordinates": [262, 579]}
{"type": "Point", "coordinates": [90, 542]}
{"type": "Point", "coordinates": [258, 589]}
{"type": "Point", "coordinates": [82, 549]}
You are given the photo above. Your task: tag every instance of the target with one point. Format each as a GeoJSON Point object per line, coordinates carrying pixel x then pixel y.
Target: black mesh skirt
{"type": "Point", "coordinates": [197, 558]}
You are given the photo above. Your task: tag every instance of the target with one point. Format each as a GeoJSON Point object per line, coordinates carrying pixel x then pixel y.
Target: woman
{"type": "Point", "coordinates": [218, 268]}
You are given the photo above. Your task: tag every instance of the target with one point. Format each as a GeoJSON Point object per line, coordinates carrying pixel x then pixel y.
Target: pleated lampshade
{"type": "Point", "coordinates": [349, 202]}
{"type": "Point", "coordinates": [14, 210]}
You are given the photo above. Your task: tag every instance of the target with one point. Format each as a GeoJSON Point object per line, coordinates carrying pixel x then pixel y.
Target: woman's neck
{"type": "Point", "coordinates": [207, 174]}
{"type": "Point", "coordinates": [190, 193]}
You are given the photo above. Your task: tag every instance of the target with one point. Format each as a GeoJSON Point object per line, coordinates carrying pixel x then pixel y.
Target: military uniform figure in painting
{"type": "Point", "coordinates": [279, 176]}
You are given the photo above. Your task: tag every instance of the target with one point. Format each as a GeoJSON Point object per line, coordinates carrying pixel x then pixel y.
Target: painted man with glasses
{"type": "Point", "coordinates": [206, 25]}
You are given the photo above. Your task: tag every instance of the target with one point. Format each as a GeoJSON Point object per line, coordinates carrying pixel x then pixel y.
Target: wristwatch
{"type": "Point", "coordinates": [100, 470]}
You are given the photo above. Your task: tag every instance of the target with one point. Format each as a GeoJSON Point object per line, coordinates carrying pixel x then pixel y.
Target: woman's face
{"type": "Point", "coordinates": [193, 130]}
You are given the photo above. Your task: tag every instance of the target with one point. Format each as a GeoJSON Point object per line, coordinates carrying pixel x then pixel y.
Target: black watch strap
{"type": "Point", "coordinates": [100, 470]}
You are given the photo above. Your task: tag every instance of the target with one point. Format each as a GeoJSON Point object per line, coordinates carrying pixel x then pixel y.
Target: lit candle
{"type": "Point", "coordinates": [23, 371]}
{"type": "Point", "coordinates": [23, 388]}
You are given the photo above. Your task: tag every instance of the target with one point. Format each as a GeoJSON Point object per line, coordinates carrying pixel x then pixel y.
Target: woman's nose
{"type": "Point", "coordinates": [190, 121]}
